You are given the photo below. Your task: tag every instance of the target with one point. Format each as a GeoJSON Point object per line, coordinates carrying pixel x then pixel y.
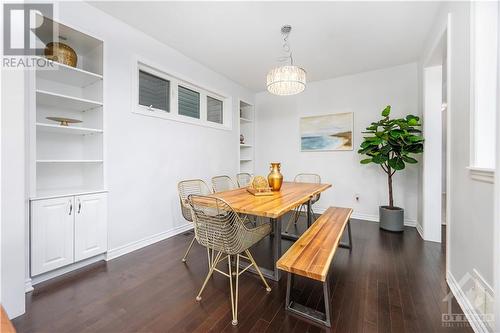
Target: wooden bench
{"type": "Point", "coordinates": [311, 256]}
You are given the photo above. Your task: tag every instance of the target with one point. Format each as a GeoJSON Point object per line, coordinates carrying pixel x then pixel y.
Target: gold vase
{"type": "Point", "coordinates": [275, 178]}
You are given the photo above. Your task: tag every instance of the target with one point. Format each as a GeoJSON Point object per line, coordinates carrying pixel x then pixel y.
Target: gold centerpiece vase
{"type": "Point", "coordinates": [275, 178]}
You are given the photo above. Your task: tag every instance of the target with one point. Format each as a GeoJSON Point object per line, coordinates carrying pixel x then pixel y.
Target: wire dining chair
{"type": "Point", "coordinates": [219, 228]}
{"type": "Point", "coordinates": [243, 179]}
{"type": "Point", "coordinates": [185, 188]}
{"type": "Point", "coordinates": [304, 178]}
{"type": "Point", "coordinates": [223, 183]}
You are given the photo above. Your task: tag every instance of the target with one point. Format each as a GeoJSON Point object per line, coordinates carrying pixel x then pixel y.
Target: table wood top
{"type": "Point", "coordinates": [312, 254]}
{"type": "Point", "coordinates": [291, 195]}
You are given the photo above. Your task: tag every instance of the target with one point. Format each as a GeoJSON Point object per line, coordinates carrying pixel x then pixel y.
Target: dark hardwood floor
{"type": "Point", "coordinates": [388, 283]}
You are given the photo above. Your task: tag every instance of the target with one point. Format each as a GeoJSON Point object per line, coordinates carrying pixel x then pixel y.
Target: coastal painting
{"type": "Point", "coordinates": [326, 133]}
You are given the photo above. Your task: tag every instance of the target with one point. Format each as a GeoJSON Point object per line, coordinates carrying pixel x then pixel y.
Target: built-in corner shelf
{"type": "Point", "coordinates": [66, 129]}
{"type": "Point", "coordinates": [65, 74]}
{"type": "Point", "coordinates": [51, 99]}
{"type": "Point", "coordinates": [246, 150]}
{"type": "Point", "coordinates": [245, 120]}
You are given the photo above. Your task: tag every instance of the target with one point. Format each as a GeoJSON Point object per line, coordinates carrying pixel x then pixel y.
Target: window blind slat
{"type": "Point", "coordinates": [153, 91]}
{"type": "Point", "coordinates": [189, 102]}
{"type": "Point", "coordinates": [214, 110]}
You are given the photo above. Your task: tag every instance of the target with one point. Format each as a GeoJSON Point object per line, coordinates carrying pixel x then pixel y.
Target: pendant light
{"type": "Point", "coordinates": [287, 79]}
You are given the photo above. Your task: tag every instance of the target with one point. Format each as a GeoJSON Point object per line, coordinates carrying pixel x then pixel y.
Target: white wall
{"type": "Point", "coordinates": [432, 158]}
{"type": "Point", "coordinates": [145, 156]}
{"type": "Point", "coordinates": [365, 94]}
{"type": "Point", "coordinates": [470, 229]}
{"type": "Point", "coordinates": [13, 196]}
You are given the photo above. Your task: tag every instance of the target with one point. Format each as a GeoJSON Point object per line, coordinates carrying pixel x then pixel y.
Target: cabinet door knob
{"type": "Point", "coordinates": [70, 207]}
{"type": "Point", "coordinates": [79, 206]}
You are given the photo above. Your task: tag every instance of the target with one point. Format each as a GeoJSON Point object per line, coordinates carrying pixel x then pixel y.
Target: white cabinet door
{"type": "Point", "coordinates": [51, 234]}
{"type": "Point", "coordinates": [91, 230]}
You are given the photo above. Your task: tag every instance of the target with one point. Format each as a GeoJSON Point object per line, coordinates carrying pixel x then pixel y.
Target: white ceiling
{"type": "Point", "coordinates": [242, 40]}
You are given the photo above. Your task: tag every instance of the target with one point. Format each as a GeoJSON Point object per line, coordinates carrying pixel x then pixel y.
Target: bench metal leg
{"type": "Point", "coordinates": [349, 245]}
{"type": "Point", "coordinates": [305, 311]}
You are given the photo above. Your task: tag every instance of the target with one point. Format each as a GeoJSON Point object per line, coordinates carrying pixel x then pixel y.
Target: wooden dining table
{"type": "Point", "coordinates": [290, 196]}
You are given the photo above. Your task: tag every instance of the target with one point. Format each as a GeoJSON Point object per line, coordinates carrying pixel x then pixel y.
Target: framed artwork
{"type": "Point", "coordinates": [327, 132]}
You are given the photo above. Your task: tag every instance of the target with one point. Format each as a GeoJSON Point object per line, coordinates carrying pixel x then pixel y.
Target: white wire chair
{"type": "Point", "coordinates": [223, 183]}
{"type": "Point", "coordinates": [304, 178]}
{"type": "Point", "coordinates": [243, 179]}
{"type": "Point", "coordinates": [220, 229]}
{"type": "Point", "coordinates": [186, 188]}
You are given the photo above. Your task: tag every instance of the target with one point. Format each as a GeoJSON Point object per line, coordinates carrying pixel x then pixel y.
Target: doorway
{"type": "Point", "coordinates": [435, 130]}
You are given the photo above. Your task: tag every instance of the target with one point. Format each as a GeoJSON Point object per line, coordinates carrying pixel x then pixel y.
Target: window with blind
{"type": "Point", "coordinates": [189, 102]}
{"type": "Point", "coordinates": [162, 95]}
{"type": "Point", "coordinates": [154, 91]}
{"type": "Point", "coordinates": [215, 110]}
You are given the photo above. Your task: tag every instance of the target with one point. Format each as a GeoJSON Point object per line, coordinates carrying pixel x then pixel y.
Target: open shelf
{"type": "Point", "coordinates": [245, 160]}
{"type": "Point", "coordinates": [69, 161]}
{"type": "Point", "coordinates": [244, 145]}
{"type": "Point", "coordinates": [65, 102]}
{"type": "Point", "coordinates": [68, 75]}
{"type": "Point", "coordinates": [66, 129]}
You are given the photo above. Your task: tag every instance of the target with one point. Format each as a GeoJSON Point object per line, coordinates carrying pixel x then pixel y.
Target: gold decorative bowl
{"type": "Point", "coordinates": [61, 53]}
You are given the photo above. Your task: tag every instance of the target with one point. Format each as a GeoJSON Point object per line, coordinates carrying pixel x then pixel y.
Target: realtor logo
{"type": "Point", "coordinates": [20, 23]}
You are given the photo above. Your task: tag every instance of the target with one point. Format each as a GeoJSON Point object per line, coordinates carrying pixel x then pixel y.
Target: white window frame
{"type": "Point", "coordinates": [176, 80]}
{"type": "Point", "coordinates": [476, 170]}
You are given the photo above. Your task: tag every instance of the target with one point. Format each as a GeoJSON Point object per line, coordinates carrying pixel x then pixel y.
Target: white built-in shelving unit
{"type": "Point", "coordinates": [67, 159]}
{"type": "Point", "coordinates": [68, 209]}
{"type": "Point", "coordinates": [247, 129]}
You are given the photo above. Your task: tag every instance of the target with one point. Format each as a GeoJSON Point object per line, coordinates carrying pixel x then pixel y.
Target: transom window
{"type": "Point", "coordinates": [165, 96]}
{"type": "Point", "coordinates": [154, 92]}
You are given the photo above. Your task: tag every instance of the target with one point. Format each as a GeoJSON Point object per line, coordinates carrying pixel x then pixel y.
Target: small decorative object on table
{"type": "Point", "coordinates": [61, 53]}
{"type": "Point", "coordinates": [275, 178]}
{"type": "Point", "coordinates": [64, 121]}
{"type": "Point", "coordinates": [242, 139]}
{"type": "Point", "coordinates": [259, 186]}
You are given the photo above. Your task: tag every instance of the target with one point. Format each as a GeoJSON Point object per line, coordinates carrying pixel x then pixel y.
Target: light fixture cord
{"type": "Point", "coordinates": [286, 46]}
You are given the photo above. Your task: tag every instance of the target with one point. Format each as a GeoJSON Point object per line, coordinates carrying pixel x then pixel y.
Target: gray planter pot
{"type": "Point", "coordinates": [392, 219]}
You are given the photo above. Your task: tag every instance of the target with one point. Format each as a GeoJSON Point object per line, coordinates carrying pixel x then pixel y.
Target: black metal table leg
{"type": "Point", "coordinates": [309, 213]}
{"type": "Point", "coordinates": [276, 247]}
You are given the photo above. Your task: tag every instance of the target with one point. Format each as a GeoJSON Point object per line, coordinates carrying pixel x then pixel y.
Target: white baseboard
{"type": "Point", "coordinates": [136, 245]}
{"type": "Point", "coordinates": [420, 230]}
{"type": "Point", "coordinates": [368, 217]}
{"type": "Point", "coordinates": [60, 271]}
{"type": "Point", "coordinates": [111, 254]}
{"type": "Point", "coordinates": [470, 312]}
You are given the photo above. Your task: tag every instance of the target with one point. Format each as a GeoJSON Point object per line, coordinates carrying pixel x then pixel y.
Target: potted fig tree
{"type": "Point", "coordinates": [392, 143]}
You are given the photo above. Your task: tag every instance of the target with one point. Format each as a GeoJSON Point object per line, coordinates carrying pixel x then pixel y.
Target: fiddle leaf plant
{"type": "Point", "coordinates": [392, 143]}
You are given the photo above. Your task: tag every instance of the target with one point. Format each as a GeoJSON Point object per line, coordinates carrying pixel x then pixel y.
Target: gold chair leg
{"type": "Point", "coordinates": [235, 315]}
{"type": "Point", "coordinates": [268, 289]}
{"type": "Point", "coordinates": [189, 249]}
{"type": "Point", "coordinates": [294, 218]}
{"type": "Point", "coordinates": [210, 272]}
{"type": "Point", "coordinates": [237, 284]}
